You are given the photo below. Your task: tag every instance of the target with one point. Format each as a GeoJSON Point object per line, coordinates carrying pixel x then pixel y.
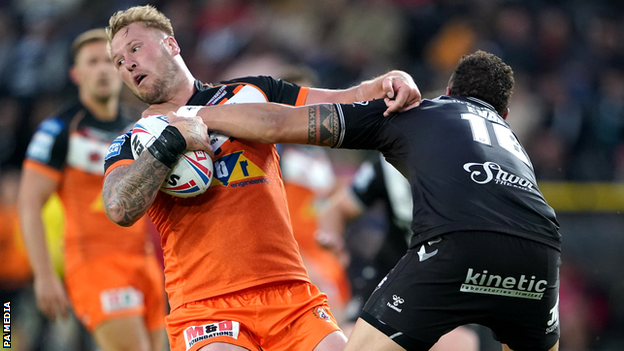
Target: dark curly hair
{"type": "Point", "coordinates": [484, 76]}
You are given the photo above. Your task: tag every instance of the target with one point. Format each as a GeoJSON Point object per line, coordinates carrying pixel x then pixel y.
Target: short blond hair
{"type": "Point", "coordinates": [90, 36]}
{"type": "Point", "coordinates": [148, 15]}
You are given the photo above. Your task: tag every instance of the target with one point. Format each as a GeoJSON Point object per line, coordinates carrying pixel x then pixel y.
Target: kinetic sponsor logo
{"type": "Point", "coordinates": [483, 173]}
{"type": "Point", "coordinates": [195, 334]}
{"type": "Point", "coordinates": [6, 326]}
{"type": "Point", "coordinates": [491, 284]}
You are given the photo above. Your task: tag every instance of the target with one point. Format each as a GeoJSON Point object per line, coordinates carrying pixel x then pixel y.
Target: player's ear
{"type": "Point", "coordinates": [172, 45]}
{"type": "Point", "coordinates": [74, 75]}
{"type": "Point", "coordinates": [506, 113]}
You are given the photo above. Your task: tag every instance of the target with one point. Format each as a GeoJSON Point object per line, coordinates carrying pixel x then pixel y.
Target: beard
{"type": "Point", "coordinates": [163, 86]}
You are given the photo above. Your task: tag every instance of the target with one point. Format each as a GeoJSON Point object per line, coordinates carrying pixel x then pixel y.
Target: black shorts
{"type": "Point", "coordinates": [503, 282]}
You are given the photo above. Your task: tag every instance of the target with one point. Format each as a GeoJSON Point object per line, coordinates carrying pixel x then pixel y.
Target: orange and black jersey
{"type": "Point", "coordinates": [466, 168]}
{"type": "Point", "coordinates": [62, 140]}
{"type": "Point", "coordinates": [236, 235]}
{"type": "Point", "coordinates": [69, 148]}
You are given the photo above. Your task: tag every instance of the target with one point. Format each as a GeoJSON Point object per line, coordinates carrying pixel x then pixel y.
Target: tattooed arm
{"type": "Point", "coordinates": [397, 88]}
{"type": "Point", "coordinates": [130, 190]}
{"type": "Point", "coordinates": [272, 123]}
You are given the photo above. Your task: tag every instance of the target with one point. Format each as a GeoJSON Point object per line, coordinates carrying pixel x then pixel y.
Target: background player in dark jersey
{"type": "Point", "coordinates": [485, 247]}
{"type": "Point", "coordinates": [111, 275]}
{"type": "Point", "coordinates": [375, 185]}
{"type": "Point", "coordinates": [234, 276]}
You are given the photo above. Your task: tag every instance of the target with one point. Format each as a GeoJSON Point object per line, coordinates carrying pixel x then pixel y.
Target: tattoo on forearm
{"type": "Point", "coordinates": [129, 196]}
{"type": "Point", "coordinates": [195, 133]}
{"type": "Point", "coordinates": [323, 125]}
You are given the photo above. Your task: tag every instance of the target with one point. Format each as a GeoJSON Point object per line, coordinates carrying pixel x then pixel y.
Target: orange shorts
{"type": "Point", "coordinates": [118, 285]}
{"type": "Point", "coordinates": [291, 316]}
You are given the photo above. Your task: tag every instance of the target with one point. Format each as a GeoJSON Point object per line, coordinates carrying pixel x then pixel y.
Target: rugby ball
{"type": "Point", "coordinates": [190, 176]}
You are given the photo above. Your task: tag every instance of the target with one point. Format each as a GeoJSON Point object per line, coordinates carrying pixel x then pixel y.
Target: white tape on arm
{"type": "Point", "coordinates": [188, 111]}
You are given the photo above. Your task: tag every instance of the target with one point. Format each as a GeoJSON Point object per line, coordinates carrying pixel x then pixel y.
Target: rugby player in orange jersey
{"type": "Point", "coordinates": [112, 277]}
{"type": "Point", "coordinates": [233, 273]}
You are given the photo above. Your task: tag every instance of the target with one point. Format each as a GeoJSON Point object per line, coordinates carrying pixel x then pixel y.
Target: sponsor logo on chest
{"type": "Point", "coordinates": [235, 170]}
{"type": "Point", "coordinates": [88, 154]}
{"type": "Point", "coordinates": [483, 173]}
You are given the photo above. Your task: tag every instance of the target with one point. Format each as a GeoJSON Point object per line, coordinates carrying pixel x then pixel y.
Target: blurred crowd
{"type": "Point", "coordinates": [568, 58]}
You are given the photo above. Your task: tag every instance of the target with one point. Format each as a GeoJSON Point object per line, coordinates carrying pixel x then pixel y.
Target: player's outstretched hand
{"type": "Point", "coordinates": [51, 297]}
{"type": "Point", "coordinates": [401, 92]}
{"type": "Point", "coordinates": [194, 130]}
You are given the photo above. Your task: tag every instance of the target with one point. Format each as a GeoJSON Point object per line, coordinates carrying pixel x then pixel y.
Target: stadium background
{"type": "Point", "coordinates": [567, 109]}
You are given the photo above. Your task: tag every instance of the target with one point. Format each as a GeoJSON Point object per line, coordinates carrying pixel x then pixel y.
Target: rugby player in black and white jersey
{"type": "Point", "coordinates": [485, 247]}
{"type": "Point", "coordinates": [377, 183]}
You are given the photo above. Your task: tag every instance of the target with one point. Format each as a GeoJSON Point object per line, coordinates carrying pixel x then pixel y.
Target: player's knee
{"type": "Point", "coordinates": [124, 334]}
{"type": "Point", "coordinates": [333, 341]}
{"type": "Point", "coordinates": [461, 339]}
{"type": "Point", "coordinates": [158, 340]}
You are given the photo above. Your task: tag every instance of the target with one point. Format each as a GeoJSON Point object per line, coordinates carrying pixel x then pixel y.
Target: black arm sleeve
{"type": "Point", "coordinates": [363, 125]}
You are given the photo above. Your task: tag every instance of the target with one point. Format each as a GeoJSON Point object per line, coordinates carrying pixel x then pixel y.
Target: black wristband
{"type": "Point", "coordinates": [168, 147]}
